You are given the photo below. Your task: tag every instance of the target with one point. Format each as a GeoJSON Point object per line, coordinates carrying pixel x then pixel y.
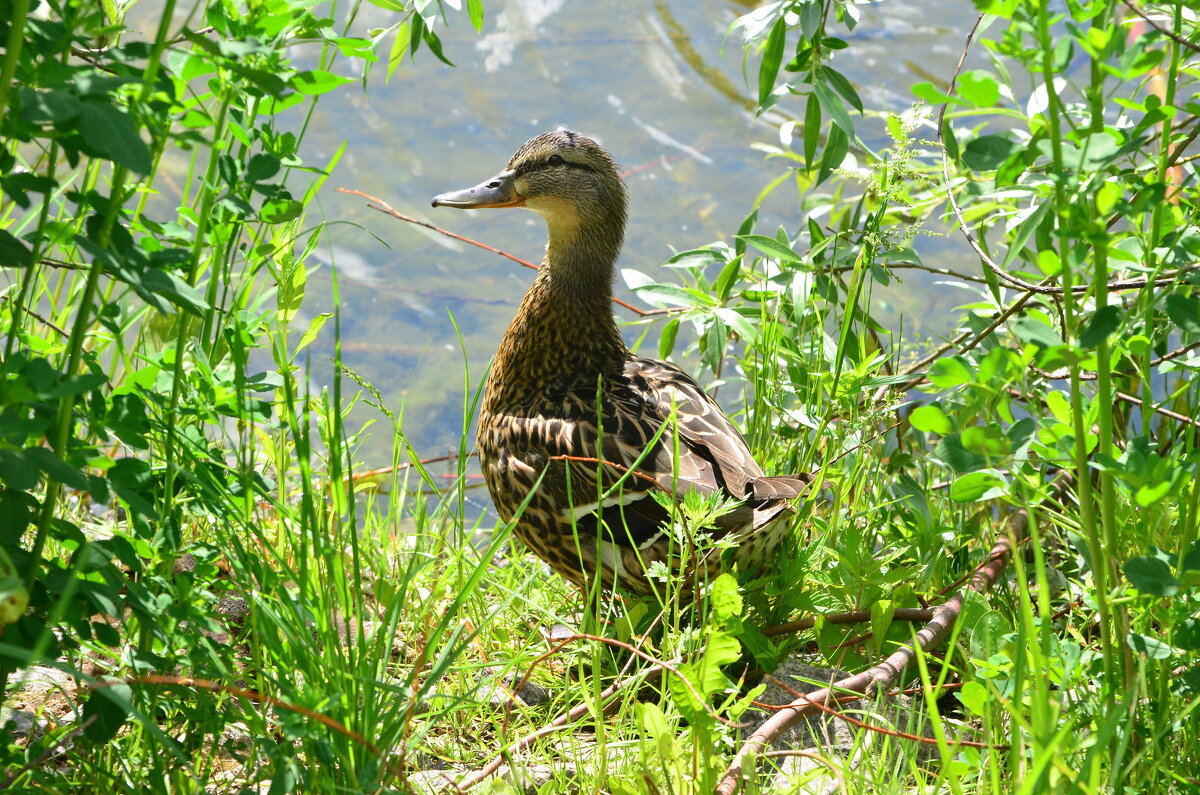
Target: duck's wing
{"type": "Point", "coordinates": [656, 431]}
{"type": "Point", "coordinates": [709, 443]}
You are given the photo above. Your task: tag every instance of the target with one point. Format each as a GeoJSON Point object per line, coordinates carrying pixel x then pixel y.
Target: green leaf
{"type": "Point", "coordinates": [771, 247]}
{"type": "Point", "coordinates": [974, 697]}
{"type": "Point", "coordinates": [435, 45]}
{"type": "Point", "coordinates": [837, 145]}
{"type": "Point", "coordinates": [313, 82]}
{"type": "Point", "coordinates": [1049, 262]}
{"type": "Point", "coordinates": [1150, 575]}
{"type": "Point", "coordinates": [281, 210]}
{"type": "Point", "coordinates": [673, 295]}
{"type": "Point", "coordinates": [979, 87]}
{"type": "Point", "coordinates": [105, 711]}
{"type": "Point", "coordinates": [950, 449]}
{"type": "Point", "coordinates": [812, 130]}
{"type": "Point", "coordinates": [725, 600]}
{"type": "Point", "coordinates": [48, 107]}
{"type": "Point", "coordinates": [738, 322]}
{"type": "Point", "coordinates": [1107, 196]}
{"type": "Point", "coordinates": [950, 142]}
{"type": "Point", "coordinates": [261, 167]}
{"type": "Point", "coordinates": [950, 372]}
{"type": "Point", "coordinates": [987, 440]}
{"type": "Point", "coordinates": [1151, 647]}
{"type": "Point", "coordinates": [112, 133]}
{"type": "Point", "coordinates": [654, 720]}
{"type": "Point", "coordinates": [1187, 634]}
{"type": "Point", "coordinates": [721, 649]}
{"type": "Point", "coordinates": [129, 477]}
{"type": "Point", "coordinates": [728, 277]}
{"type": "Point", "coordinates": [930, 419]}
{"type": "Point", "coordinates": [1097, 149]}
{"type": "Point", "coordinates": [399, 47]}
{"type": "Point", "coordinates": [983, 485]}
{"type": "Point", "coordinates": [54, 467]}
{"type": "Point", "coordinates": [1149, 494]}
{"type": "Point", "coordinates": [1060, 406]}
{"type": "Point", "coordinates": [1191, 558]}
{"type": "Point", "coordinates": [314, 327]}
{"type": "Point", "coordinates": [832, 106]}
{"type": "Point", "coordinates": [13, 253]}
{"type": "Point", "coordinates": [1184, 312]}
{"type": "Point", "coordinates": [475, 13]}
{"type": "Point", "coordinates": [666, 342]}
{"type": "Point", "coordinates": [841, 85]}
{"type": "Point", "coordinates": [812, 18]}
{"type": "Point", "coordinates": [739, 246]}
{"type": "Point", "coordinates": [1025, 231]}
{"type": "Point", "coordinates": [882, 612]}
{"type": "Point", "coordinates": [1035, 330]}
{"type": "Point", "coordinates": [694, 258]}
{"type": "Point", "coordinates": [1021, 431]}
{"type": "Point", "coordinates": [1102, 324]}
{"type": "Point", "coordinates": [902, 254]}
{"type": "Point", "coordinates": [174, 289]}
{"type": "Point", "coordinates": [16, 473]}
{"type": "Point", "coordinates": [76, 385]}
{"type": "Point", "coordinates": [987, 152]}
{"type": "Point", "coordinates": [934, 95]}
{"type": "Point", "coordinates": [772, 57]}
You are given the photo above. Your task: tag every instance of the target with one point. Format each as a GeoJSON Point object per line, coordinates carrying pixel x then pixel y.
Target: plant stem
{"type": "Point", "coordinates": [1096, 550]}
{"type": "Point", "coordinates": [12, 53]}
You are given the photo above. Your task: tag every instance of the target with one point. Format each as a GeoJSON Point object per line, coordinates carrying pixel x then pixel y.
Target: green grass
{"type": "Point", "coordinates": [387, 618]}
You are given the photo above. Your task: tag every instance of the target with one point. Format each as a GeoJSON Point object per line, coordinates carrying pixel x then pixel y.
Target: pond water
{"type": "Point", "coordinates": [650, 81]}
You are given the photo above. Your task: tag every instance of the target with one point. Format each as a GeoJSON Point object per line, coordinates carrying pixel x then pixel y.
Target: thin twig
{"type": "Point", "coordinates": [240, 692]}
{"type": "Point", "coordinates": [849, 617]}
{"type": "Point", "coordinates": [1158, 409]}
{"type": "Point", "coordinates": [384, 207]}
{"type": "Point", "coordinates": [1191, 45]}
{"type": "Point", "coordinates": [879, 729]}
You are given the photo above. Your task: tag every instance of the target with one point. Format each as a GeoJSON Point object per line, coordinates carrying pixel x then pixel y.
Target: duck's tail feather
{"type": "Point", "coordinates": [781, 487]}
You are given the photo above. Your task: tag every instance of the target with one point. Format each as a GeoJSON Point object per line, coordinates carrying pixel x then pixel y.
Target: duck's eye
{"type": "Point", "coordinates": [556, 160]}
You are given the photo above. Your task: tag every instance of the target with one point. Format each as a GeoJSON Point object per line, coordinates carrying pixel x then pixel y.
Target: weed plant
{"type": "Point", "coordinates": [182, 530]}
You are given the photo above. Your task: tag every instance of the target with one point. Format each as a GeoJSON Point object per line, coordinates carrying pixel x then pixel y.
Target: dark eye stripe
{"type": "Point", "coordinates": [544, 164]}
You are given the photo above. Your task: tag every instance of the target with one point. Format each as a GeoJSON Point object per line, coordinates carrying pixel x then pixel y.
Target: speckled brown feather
{"type": "Point", "coordinates": [564, 393]}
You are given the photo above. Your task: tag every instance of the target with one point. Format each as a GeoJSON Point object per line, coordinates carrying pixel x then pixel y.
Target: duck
{"type": "Point", "coordinates": [584, 445]}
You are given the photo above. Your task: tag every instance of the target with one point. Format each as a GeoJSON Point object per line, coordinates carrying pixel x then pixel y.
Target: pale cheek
{"type": "Point", "coordinates": [559, 213]}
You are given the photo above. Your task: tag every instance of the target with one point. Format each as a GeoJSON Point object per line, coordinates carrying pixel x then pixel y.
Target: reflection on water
{"type": "Point", "coordinates": [647, 80]}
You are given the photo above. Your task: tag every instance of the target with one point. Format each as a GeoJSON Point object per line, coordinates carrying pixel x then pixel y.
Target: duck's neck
{"type": "Point", "coordinates": [564, 328]}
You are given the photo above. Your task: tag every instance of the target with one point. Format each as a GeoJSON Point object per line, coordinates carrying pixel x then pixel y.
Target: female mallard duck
{"type": "Point", "coordinates": [576, 432]}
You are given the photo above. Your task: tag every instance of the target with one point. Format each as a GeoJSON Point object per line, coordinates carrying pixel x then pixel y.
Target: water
{"type": "Point", "coordinates": [646, 79]}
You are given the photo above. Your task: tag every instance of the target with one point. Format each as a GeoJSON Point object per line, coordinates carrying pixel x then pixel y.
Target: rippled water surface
{"type": "Point", "coordinates": [649, 80]}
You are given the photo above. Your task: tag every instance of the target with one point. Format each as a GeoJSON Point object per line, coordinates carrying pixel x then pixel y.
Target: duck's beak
{"type": "Point", "coordinates": [499, 191]}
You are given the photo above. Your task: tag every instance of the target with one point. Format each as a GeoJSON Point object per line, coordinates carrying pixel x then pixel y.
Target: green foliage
{"type": "Point", "coordinates": [1067, 391]}
{"type": "Point", "coordinates": [160, 456]}
{"type": "Point", "coordinates": [139, 433]}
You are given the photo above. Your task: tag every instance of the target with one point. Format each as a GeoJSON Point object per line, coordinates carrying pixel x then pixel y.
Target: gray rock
{"type": "Point", "coordinates": [503, 691]}
{"type": "Point", "coordinates": [26, 724]}
{"type": "Point", "coordinates": [831, 743]}
{"type": "Point", "coordinates": [430, 781]}
{"type": "Point", "coordinates": [814, 731]}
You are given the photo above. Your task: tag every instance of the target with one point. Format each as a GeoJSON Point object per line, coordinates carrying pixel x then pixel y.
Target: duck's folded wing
{"type": "Point", "coordinates": [705, 432]}
{"type": "Point", "coordinates": [593, 483]}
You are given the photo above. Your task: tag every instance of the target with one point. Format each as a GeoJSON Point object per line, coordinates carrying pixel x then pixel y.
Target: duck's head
{"type": "Point", "coordinates": [563, 176]}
